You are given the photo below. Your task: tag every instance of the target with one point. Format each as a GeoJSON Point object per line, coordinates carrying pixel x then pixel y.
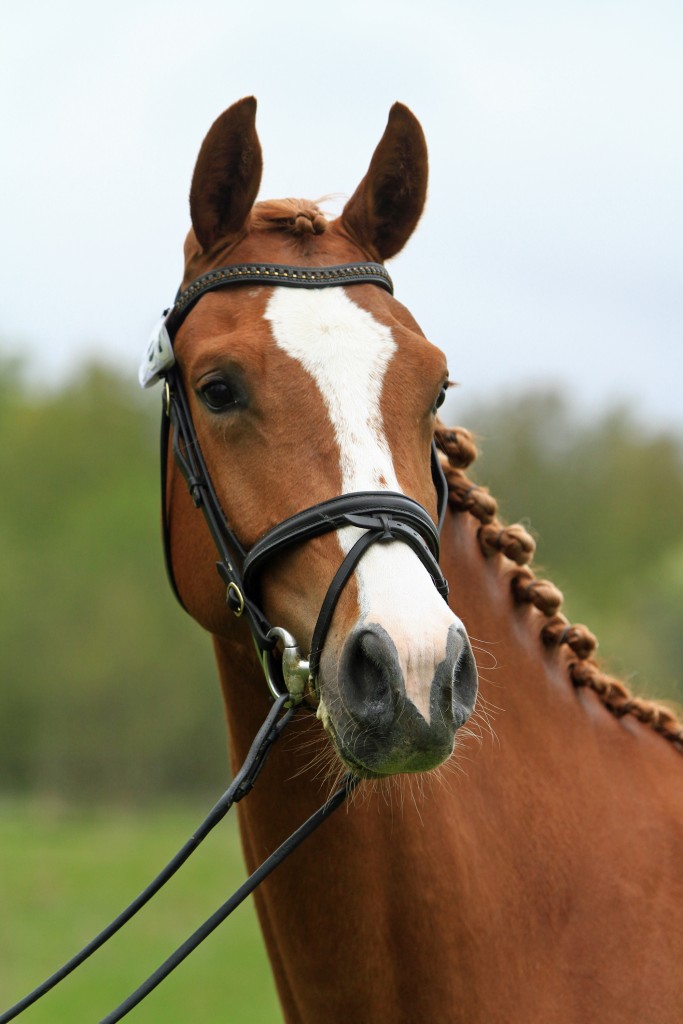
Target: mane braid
{"type": "Point", "coordinates": [459, 451]}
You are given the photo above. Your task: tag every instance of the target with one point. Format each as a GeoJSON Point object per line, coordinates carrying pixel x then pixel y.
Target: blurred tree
{"type": "Point", "coordinates": [108, 689]}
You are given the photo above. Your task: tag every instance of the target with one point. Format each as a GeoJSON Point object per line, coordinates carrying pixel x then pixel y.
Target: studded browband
{"type": "Point", "coordinates": [276, 273]}
{"type": "Point", "coordinates": [159, 357]}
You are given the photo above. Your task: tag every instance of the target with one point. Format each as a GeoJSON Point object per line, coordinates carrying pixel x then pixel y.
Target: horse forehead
{"type": "Point", "coordinates": [346, 351]}
{"type": "Point", "coordinates": [341, 344]}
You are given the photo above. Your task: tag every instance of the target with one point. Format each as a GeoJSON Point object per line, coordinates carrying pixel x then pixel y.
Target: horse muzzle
{"type": "Point", "coordinates": [390, 711]}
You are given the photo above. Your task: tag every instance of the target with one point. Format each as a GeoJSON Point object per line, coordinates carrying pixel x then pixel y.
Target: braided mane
{"type": "Point", "coordinates": [512, 541]}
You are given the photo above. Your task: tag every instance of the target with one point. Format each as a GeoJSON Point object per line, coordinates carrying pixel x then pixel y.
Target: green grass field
{"type": "Point", "coordinates": [65, 873]}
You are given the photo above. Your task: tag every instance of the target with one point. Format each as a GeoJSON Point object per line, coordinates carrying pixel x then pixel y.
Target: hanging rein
{"type": "Point", "coordinates": [384, 516]}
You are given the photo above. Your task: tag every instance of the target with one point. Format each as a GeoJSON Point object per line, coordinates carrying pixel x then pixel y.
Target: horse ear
{"type": "Point", "coordinates": [227, 174]}
{"type": "Point", "coordinates": [385, 208]}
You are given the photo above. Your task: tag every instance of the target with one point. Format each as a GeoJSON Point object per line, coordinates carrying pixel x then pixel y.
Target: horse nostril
{"type": "Point", "coordinates": [371, 673]}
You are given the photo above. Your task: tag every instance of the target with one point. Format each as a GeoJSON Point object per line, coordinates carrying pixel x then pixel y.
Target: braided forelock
{"type": "Point", "coordinates": [292, 216]}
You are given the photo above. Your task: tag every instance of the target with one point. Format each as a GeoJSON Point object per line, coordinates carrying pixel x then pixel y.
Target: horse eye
{"type": "Point", "coordinates": [218, 396]}
{"type": "Point", "coordinates": [442, 396]}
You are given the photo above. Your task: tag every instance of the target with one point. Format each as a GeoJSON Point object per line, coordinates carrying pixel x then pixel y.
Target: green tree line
{"type": "Point", "coordinates": [108, 690]}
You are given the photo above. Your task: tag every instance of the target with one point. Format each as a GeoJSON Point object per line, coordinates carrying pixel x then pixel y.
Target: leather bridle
{"type": "Point", "coordinates": [383, 516]}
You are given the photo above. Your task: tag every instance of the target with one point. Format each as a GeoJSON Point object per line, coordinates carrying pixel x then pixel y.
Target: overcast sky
{"type": "Point", "coordinates": [551, 249]}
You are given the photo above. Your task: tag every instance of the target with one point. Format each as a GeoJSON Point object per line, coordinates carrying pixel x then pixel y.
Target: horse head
{"type": "Point", "coordinates": [302, 395]}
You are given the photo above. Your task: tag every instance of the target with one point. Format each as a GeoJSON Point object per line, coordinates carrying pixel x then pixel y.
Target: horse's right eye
{"type": "Point", "coordinates": [219, 396]}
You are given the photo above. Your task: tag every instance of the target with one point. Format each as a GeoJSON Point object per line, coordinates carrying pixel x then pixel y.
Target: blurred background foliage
{"type": "Point", "coordinates": [109, 690]}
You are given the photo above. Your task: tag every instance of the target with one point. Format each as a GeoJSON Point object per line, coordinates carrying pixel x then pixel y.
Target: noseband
{"type": "Point", "coordinates": [383, 516]}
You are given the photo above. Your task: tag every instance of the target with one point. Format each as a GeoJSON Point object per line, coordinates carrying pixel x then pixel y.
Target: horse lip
{"type": "Point", "coordinates": [357, 767]}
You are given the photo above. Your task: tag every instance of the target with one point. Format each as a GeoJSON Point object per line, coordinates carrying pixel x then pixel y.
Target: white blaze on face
{"type": "Point", "coordinates": [347, 352]}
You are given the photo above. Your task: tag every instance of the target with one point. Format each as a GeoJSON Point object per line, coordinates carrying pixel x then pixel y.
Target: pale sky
{"type": "Point", "coordinates": [551, 249]}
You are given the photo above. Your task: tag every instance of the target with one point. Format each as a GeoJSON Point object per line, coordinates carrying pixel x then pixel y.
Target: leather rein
{"type": "Point", "coordinates": [383, 516]}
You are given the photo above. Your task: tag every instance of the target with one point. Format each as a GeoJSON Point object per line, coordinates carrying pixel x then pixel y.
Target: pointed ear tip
{"type": "Point", "coordinates": [240, 113]}
{"type": "Point", "coordinates": [401, 111]}
{"type": "Point", "coordinates": [402, 119]}
{"type": "Point", "coordinates": [246, 107]}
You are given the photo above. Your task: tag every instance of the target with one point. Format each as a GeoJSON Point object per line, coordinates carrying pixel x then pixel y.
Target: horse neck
{"type": "Point", "coordinates": [422, 892]}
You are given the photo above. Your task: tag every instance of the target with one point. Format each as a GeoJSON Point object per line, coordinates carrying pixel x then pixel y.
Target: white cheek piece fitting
{"type": "Point", "coordinates": [158, 356]}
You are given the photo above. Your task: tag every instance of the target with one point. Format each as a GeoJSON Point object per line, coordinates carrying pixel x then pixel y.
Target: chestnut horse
{"type": "Point", "coordinates": [537, 875]}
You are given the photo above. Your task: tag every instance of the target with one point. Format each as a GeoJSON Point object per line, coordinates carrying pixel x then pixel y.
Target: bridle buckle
{"type": "Point", "coordinates": [293, 670]}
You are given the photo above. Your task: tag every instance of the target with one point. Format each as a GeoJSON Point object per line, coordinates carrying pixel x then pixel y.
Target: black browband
{"type": "Point", "coordinates": [275, 273]}
{"type": "Point", "coordinates": [383, 516]}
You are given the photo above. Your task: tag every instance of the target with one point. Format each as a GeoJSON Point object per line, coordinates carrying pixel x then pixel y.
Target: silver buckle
{"type": "Point", "coordinates": [293, 669]}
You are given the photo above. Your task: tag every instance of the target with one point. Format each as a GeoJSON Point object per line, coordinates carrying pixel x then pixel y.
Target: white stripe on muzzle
{"type": "Point", "coordinates": [347, 352]}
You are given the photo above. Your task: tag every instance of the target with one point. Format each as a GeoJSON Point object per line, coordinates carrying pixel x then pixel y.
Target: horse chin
{"type": "Point", "coordinates": [375, 760]}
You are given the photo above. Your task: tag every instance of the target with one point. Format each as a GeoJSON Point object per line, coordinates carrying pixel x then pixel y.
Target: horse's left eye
{"type": "Point", "coordinates": [442, 396]}
{"type": "Point", "coordinates": [218, 396]}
